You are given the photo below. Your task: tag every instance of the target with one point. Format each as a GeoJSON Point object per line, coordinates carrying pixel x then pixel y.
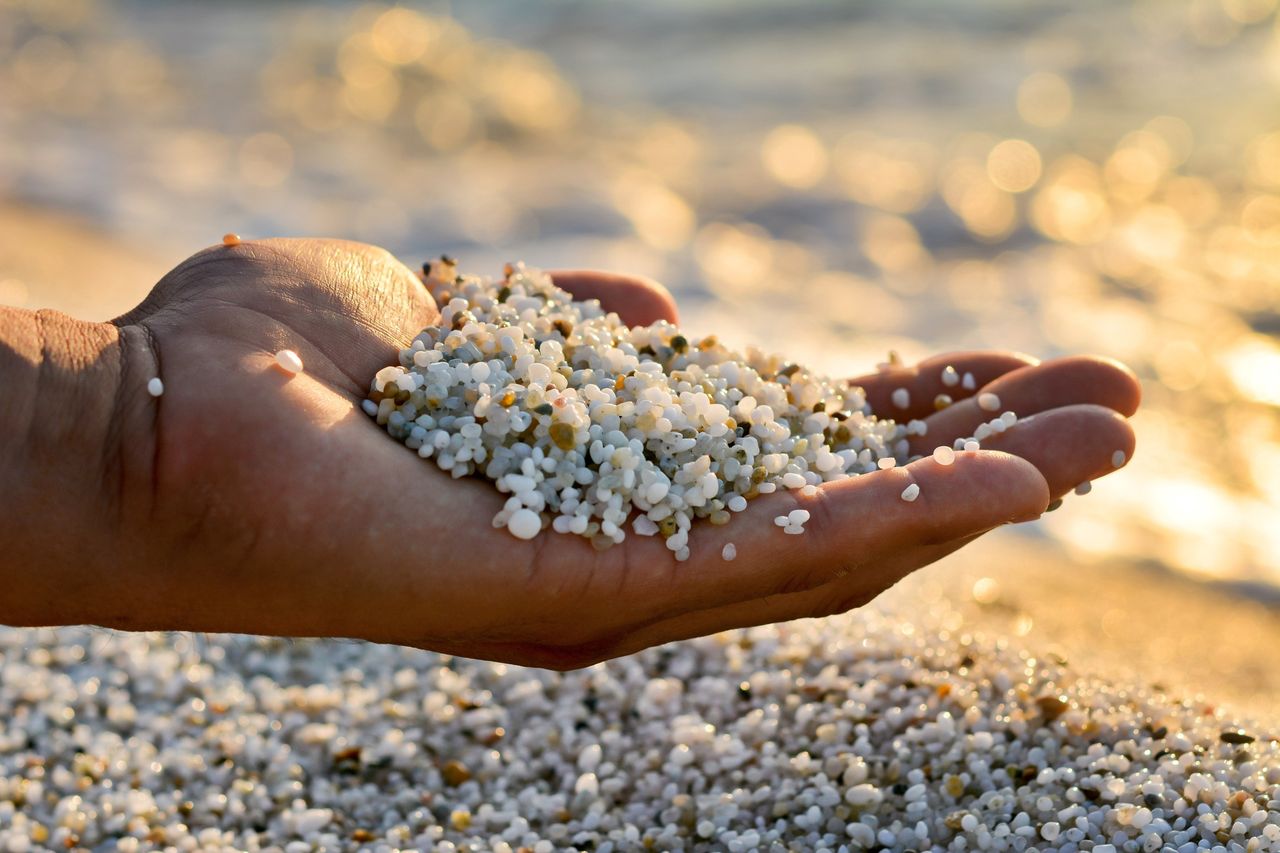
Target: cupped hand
{"type": "Point", "coordinates": [266, 503]}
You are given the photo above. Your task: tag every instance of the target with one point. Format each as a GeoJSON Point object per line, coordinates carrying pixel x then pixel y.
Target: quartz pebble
{"type": "Point", "coordinates": [901, 398]}
{"type": "Point", "coordinates": [155, 387]}
{"type": "Point", "coordinates": [1117, 459]}
{"type": "Point", "coordinates": [729, 551]}
{"type": "Point", "coordinates": [289, 361]}
{"type": "Point", "coordinates": [944, 455]}
{"type": "Point", "coordinates": [524, 524]}
{"type": "Point", "coordinates": [588, 422]}
{"type": "Point", "coordinates": [988, 401]}
{"type": "Point", "coordinates": [911, 492]}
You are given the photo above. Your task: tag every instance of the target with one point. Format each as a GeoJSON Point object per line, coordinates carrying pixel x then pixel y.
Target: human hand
{"type": "Point", "coordinates": [251, 501]}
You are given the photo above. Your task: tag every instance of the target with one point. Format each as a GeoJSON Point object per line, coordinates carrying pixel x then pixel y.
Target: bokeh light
{"type": "Point", "coordinates": [794, 156]}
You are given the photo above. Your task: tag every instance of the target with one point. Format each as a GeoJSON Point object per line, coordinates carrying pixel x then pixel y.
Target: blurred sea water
{"type": "Point", "coordinates": [829, 180]}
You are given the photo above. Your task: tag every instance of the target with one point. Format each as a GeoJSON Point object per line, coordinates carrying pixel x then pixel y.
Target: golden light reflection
{"type": "Point", "coordinates": [1209, 23]}
{"type": "Point", "coordinates": [986, 210]}
{"type": "Point", "coordinates": [1155, 234]}
{"type": "Point", "coordinates": [735, 259]}
{"type": "Point", "coordinates": [1261, 220]}
{"type": "Point", "coordinates": [895, 175]}
{"type": "Point", "coordinates": [529, 93]}
{"type": "Point", "coordinates": [134, 72]}
{"type": "Point", "coordinates": [1228, 252]}
{"type": "Point", "coordinates": [1195, 199]}
{"type": "Point", "coordinates": [191, 161]}
{"type": "Point", "coordinates": [1253, 364]}
{"type": "Point", "coordinates": [401, 36]}
{"type": "Point", "coordinates": [794, 156]}
{"type": "Point", "coordinates": [1263, 160]}
{"type": "Point", "coordinates": [1044, 99]}
{"type": "Point", "coordinates": [1180, 364]}
{"type": "Point", "coordinates": [1179, 500]}
{"type": "Point", "coordinates": [661, 217]}
{"type": "Point", "coordinates": [1176, 135]}
{"type": "Point", "coordinates": [1248, 11]}
{"type": "Point", "coordinates": [452, 52]}
{"type": "Point", "coordinates": [13, 292]}
{"type": "Point", "coordinates": [669, 149]}
{"type": "Point", "coordinates": [986, 590]}
{"type": "Point", "coordinates": [974, 285]}
{"type": "Point", "coordinates": [1136, 167]}
{"type": "Point", "coordinates": [315, 104]}
{"type": "Point", "coordinates": [373, 98]}
{"type": "Point", "coordinates": [370, 90]}
{"type": "Point", "coordinates": [1071, 206]}
{"type": "Point", "coordinates": [44, 65]}
{"type": "Point", "coordinates": [445, 120]}
{"type": "Point", "coordinates": [846, 295]}
{"type": "Point", "coordinates": [893, 244]}
{"type": "Point", "coordinates": [1014, 165]}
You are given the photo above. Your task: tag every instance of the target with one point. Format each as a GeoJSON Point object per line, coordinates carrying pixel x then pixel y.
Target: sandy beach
{"type": "Point", "coordinates": [833, 182]}
{"type": "Point", "coordinates": [1009, 697]}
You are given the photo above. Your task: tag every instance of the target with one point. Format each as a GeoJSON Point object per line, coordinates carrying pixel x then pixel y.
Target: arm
{"type": "Point", "coordinates": [65, 463]}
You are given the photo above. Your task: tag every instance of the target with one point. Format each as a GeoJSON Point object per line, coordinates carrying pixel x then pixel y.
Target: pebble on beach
{"type": "Point", "coordinates": [155, 386]}
{"type": "Point", "coordinates": [988, 402]}
{"type": "Point", "coordinates": [230, 239]}
{"type": "Point", "coordinates": [524, 524]}
{"type": "Point", "coordinates": [1117, 459]}
{"type": "Point", "coordinates": [289, 361]}
{"type": "Point", "coordinates": [911, 492]}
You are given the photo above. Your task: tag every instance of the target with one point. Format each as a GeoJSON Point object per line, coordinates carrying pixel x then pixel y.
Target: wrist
{"type": "Point", "coordinates": [71, 431]}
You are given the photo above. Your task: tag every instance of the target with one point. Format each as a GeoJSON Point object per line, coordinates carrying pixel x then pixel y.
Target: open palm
{"type": "Point", "coordinates": [274, 505]}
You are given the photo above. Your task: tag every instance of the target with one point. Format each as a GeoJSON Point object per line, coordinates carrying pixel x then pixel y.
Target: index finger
{"type": "Point", "coordinates": [637, 300]}
{"type": "Point", "coordinates": [853, 524]}
{"type": "Point", "coordinates": [903, 393]}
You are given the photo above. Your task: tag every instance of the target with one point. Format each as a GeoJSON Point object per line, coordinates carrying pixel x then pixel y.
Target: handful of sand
{"type": "Point", "coordinates": [589, 424]}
